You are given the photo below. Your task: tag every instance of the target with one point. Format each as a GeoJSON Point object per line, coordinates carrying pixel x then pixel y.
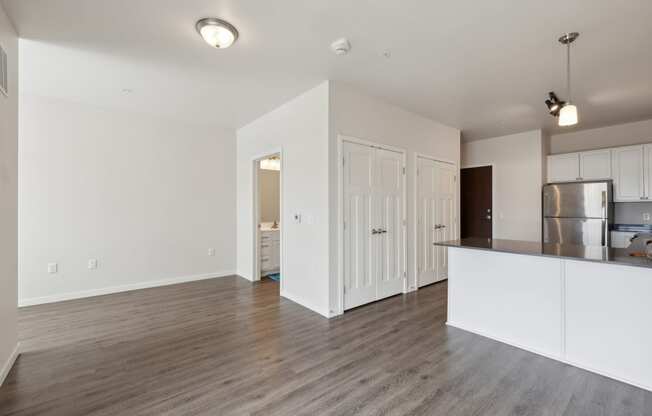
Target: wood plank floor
{"type": "Point", "coordinates": [227, 347]}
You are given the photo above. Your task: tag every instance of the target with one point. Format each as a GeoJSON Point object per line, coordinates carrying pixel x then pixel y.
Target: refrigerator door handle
{"type": "Point", "coordinates": [604, 204]}
{"type": "Point", "coordinates": [604, 233]}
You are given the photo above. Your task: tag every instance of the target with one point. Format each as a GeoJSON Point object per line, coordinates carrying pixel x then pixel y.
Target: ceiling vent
{"type": "Point", "coordinates": [4, 82]}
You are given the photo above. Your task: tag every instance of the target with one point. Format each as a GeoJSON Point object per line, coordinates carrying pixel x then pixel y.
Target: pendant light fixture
{"type": "Point", "coordinates": [568, 113]}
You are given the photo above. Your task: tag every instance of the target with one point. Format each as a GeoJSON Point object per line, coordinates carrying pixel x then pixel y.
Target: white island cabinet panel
{"type": "Point", "coordinates": [511, 298]}
{"type": "Point", "coordinates": [609, 320]}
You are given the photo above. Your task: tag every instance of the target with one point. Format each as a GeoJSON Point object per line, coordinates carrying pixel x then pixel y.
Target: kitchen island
{"type": "Point", "coordinates": [590, 307]}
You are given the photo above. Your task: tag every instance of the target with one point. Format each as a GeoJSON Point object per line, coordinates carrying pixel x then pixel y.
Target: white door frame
{"type": "Point", "coordinates": [340, 210]}
{"type": "Point", "coordinates": [493, 192]}
{"type": "Point", "coordinates": [415, 212]}
{"type": "Point", "coordinates": [255, 163]}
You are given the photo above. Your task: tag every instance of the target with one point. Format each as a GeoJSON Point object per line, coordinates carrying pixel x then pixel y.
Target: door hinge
{"type": "Point", "coordinates": [405, 275]}
{"type": "Point", "coordinates": [403, 170]}
{"type": "Point", "coordinates": [345, 225]}
{"type": "Point", "coordinates": [417, 172]}
{"type": "Point", "coordinates": [454, 178]}
{"type": "Point", "coordinates": [343, 161]}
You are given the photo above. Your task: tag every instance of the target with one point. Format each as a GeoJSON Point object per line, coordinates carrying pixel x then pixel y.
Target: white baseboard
{"type": "Point", "coordinates": [117, 289]}
{"type": "Point", "coordinates": [305, 304]}
{"type": "Point", "coordinates": [6, 368]}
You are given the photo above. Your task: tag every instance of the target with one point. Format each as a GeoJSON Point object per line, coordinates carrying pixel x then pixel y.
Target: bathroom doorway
{"type": "Point", "coordinates": [268, 241]}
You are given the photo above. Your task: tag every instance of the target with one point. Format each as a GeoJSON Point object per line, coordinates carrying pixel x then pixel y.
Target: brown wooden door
{"type": "Point", "coordinates": [476, 202]}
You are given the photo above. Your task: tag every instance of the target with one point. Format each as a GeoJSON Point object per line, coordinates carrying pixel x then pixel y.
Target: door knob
{"type": "Point", "coordinates": [488, 217]}
{"type": "Point", "coordinates": [375, 231]}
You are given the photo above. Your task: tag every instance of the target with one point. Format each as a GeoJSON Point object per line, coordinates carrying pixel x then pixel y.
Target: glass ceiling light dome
{"type": "Point", "coordinates": [218, 33]}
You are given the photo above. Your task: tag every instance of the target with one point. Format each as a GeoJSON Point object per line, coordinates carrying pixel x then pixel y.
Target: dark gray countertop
{"type": "Point", "coordinates": [567, 251]}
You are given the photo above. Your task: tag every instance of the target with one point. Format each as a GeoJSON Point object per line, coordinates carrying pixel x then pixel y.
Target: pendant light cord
{"type": "Point", "coordinates": [568, 73]}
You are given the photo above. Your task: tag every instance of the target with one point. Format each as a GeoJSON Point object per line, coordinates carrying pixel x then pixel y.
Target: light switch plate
{"type": "Point", "coordinates": [92, 264]}
{"type": "Point", "coordinates": [53, 268]}
{"type": "Point", "coordinates": [211, 251]}
{"type": "Point", "coordinates": [646, 217]}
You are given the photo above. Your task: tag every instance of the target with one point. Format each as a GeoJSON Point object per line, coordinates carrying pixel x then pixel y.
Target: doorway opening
{"type": "Point", "coordinates": [267, 220]}
{"type": "Point", "coordinates": [476, 196]}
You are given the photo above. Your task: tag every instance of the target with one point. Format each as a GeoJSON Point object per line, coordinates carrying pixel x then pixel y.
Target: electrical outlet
{"type": "Point", "coordinates": [53, 268]}
{"type": "Point", "coordinates": [646, 217]}
{"type": "Point", "coordinates": [92, 264]}
{"type": "Point", "coordinates": [211, 251]}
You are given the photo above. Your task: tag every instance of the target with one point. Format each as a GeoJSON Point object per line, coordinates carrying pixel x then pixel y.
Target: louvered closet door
{"type": "Point", "coordinates": [388, 204]}
{"type": "Point", "coordinates": [426, 220]}
{"type": "Point", "coordinates": [360, 269]}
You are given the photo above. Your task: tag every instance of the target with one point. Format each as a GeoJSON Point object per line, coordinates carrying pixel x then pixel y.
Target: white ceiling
{"type": "Point", "coordinates": [482, 66]}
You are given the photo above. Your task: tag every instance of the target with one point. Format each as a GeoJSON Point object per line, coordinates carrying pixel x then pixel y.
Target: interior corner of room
{"type": "Point", "coordinates": [280, 208]}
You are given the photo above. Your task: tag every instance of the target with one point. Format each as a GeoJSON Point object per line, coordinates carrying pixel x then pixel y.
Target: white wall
{"type": "Point", "coordinates": [8, 199]}
{"type": "Point", "coordinates": [269, 194]}
{"type": "Point", "coordinates": [611, 136]}
{"type": "Point", "coordinates": [518, 170]}
{"type": "Point", "coordinates": [299, 129]}
{"type": "Point", "coordinates": [145, 196]}
{"type": "Point", "coordinates": [358, 115]}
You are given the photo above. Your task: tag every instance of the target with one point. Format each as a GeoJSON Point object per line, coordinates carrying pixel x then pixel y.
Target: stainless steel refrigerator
{"type": "Point", "coordinates": [579, 213]}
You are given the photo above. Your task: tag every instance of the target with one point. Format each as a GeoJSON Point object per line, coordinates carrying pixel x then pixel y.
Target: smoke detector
{"type": "Point", "coordinates": [341, 46]}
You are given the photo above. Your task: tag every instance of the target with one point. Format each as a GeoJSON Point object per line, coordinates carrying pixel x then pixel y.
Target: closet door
{"type": "Point", "coordinates": [426, 220]}
{"type": "Point", "coordinates": [388, 205]}
{"type": "Point", "coordinates": [446, 213]}
{"type": "Point", "coordinates": [360, 269]}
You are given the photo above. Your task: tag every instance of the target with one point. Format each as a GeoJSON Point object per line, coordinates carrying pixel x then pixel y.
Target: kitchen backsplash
{"type": "Point", "coordinates": [633, 212]}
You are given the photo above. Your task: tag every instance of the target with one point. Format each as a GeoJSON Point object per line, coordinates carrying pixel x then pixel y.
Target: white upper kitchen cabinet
{"type": "Point", "coordinates": [564, 168]}
{"type": "Point", "coordinates": [595, 165]}
{"type": "Point", "coordinates": [648, 171]}
{"type": "Point", "coordinates": [628, 173]}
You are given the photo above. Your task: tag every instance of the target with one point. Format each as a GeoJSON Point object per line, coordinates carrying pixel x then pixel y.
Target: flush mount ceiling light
{"type": "Point", "coordinates": [566, 111]}
{"type": "Point", "coordinates": [216, 32]}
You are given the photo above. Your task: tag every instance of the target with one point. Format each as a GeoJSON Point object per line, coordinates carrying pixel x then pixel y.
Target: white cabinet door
{"type": "Point", "coordinates": [628, 173]}
{"type": "Point", "coordinates": [446, 214]}
{"type": "Point", "coordinates": [648, 171]}
{"type": "Point", "coordinates": [595, 165]}
{"type": "Point", "coordinates": [563, 168]}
